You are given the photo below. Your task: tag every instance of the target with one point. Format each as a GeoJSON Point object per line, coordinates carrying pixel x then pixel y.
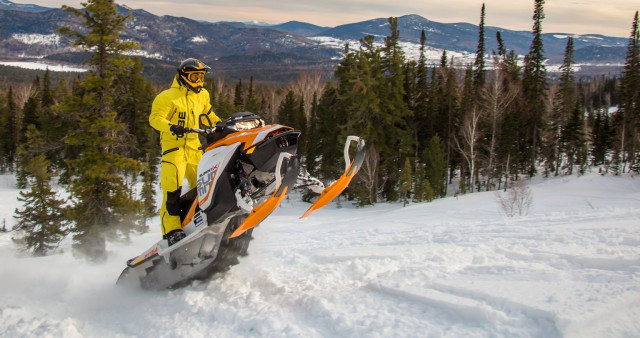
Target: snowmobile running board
{"type": "Point", "coordinates": [351, 168]}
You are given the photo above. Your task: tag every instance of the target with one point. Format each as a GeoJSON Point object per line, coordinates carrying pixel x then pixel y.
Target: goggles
{"type": "Point", "coordinates": [195, 77]}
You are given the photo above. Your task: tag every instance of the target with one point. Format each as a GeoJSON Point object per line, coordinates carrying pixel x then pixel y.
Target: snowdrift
{"type": "Point", "coordinates": [456, 267]}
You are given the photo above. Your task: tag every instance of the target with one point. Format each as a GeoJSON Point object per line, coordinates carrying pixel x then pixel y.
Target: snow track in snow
{"type": "Point", "coordinates": [455, 267]}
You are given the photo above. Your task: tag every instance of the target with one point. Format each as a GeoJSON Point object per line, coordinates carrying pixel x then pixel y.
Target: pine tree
{"type": "Point", "coordinates": [394, 111]}
{"type": "Point", "coordinates": [479, 64]}
{"type": "Point", "coordinates": [405, 181]}
{"type": "Point", "coordinates": [331, 114]}
{"type": "Point", "coordinates": [601, 138]}
{"type": "Point", "coordinates": [289, 107]}
{"type": "Point", "coordinates": [423, 114]}
{"type": "Point", "coordinates": [42, 218]}
{"type": "Point", "coordinates": [103, 204]}
{"type": "Point", "coordinates": [628, 115]}
{"type": "Point", "coordinates": [238, 96]}
{"type": "Point", "coordinates": [253, 104]}
{"type": "Point", "coordinates": [574, 142]}
{"type": "Point", "coordinates": [534, 87]}
{"type": "Point", "coordinates": [9, 135]}
{"type": "Point", "coordinates": [135, 96]}
{"type": "Point", "coordinates": [31, 116]}
{"type": "Point", "coordinates": [435, 159]}
{"type": "Point", "coordinates": [564, 104]}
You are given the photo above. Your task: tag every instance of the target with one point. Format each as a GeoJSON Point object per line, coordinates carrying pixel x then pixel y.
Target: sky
{"type": "Point", "coordinates": [607, 17]}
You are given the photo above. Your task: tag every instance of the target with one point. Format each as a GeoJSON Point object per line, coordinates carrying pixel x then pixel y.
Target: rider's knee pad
{"type": "Point", "coordinates": [173, 202]}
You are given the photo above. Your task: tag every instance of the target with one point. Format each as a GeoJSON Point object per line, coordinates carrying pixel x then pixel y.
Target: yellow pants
{"type": "Point", "coordinates": [177, 163]}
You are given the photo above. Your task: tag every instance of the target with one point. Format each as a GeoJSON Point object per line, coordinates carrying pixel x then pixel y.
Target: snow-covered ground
{"type": "Point", "coordinates": [455, 267]}
{"type": "Point", "coordinates": [56, 67]}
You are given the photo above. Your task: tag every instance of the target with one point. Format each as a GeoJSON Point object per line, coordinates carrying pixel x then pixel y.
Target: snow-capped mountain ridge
{"type": "Point", "coordinates": [292, 45]}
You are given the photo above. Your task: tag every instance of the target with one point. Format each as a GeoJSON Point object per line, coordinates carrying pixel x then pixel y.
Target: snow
{"type": "Point", "coordinates": [198, 39]}
{"type": "Point", "coordinates": [43, 66]}
{"type": "Point", "coordinates": [456, 267]}
{"type": "Point", "coordinates": [410, 49]}
{"type": "Point", "coordinates": [37, 39]}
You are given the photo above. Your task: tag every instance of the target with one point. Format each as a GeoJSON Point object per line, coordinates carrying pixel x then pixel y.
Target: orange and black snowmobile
{"type": "Point", "coordinates": [246, 170]}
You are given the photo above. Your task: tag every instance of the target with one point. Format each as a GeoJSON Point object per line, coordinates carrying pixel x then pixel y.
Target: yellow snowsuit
{"type": "Point", "coordinates": [180, 155]}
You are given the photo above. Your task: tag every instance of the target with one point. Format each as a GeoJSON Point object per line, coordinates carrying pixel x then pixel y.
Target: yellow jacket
{"type": "Point", "coordinates": [178, 105]}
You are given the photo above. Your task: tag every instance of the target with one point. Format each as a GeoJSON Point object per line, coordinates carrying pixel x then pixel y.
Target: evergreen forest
{"type": "Point", "coordinates": [430, 131]}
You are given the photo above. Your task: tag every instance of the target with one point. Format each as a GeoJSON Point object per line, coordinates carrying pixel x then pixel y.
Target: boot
{"type": "Point", "coordinates": [175, 236]}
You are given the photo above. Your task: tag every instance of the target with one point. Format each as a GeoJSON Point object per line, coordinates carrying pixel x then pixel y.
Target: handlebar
{"type": "Point", "coordinates": [200, 131]}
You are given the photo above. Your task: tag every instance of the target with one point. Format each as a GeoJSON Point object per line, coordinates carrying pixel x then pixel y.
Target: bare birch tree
{"type": "Point", "coordinates": [470, 133]}
{"type": "Point", "coordinates": [496, 98]}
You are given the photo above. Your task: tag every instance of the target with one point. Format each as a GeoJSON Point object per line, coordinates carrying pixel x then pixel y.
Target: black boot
{"type": "Point", "coordinates": [175, 236]}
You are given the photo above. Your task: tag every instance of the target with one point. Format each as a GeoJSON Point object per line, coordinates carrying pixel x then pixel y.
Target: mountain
{"type": "Point", "coordinates": [8, 5]}
{"type": "Point", "coordinates": [463, 37]}
{"type": "Point", "coordinates": [300, 28]}
{"type": "Point", "coordinates": [274, 53]}
{"type": "Point", "coordinates": [164, 40]}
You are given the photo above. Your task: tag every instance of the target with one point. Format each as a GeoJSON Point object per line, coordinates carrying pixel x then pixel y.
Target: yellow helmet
{"type": "Point", "coordinates": [191, 74]}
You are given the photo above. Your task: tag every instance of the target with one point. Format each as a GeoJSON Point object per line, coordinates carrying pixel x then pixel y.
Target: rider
{"type": "Point", "coordinates": [172, 113]}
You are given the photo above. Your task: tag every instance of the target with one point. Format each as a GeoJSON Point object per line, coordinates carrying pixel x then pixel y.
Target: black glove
{"type": "Point", "coordinates": [177, 130]}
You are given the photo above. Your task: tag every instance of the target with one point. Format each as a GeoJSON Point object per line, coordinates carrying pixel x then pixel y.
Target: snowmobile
{"type": "Point", "coordinates": [246, 170]}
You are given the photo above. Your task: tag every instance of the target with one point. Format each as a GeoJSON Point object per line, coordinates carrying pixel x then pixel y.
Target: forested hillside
{"type": "Point", "coordinates": [481, 127]}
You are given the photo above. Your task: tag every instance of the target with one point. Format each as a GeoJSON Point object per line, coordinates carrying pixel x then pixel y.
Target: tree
{"type": "Point", "coordinates": [103, 204]}
{"type": "Point", "coordinates": [406, 181]}
{"type": "Point", "coordinates": [238, 96]}
{"type": "Point", "coordinates": [394, 111]}
{"type": "Point", "coordinates": [42, 218]}
{"type": "Point", "coordinates": [627, 118]}
{"type": "Point", "coordinates": [9, 135]}
{"type": "Point", "coordinates": [496, 98]}
{"type": "Point", "coordinates": [252, 103]}
{"type": "Point", "coordinates": [422, 112]}
{"type": "Point", "coordinates": [478, 68]}
{"type": "Point", "coordinates": [469, 148]}
{"type": "Point", "coordinates": [564, 104]}
{"type": "Point", "coordinates": [288, 111]}
{"type": "Point", "coordinates": [435, 159]}
{"type": "Point", "coordinates": [534, 88]}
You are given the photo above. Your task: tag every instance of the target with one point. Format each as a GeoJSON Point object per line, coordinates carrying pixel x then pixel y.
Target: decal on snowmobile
{"type": "Point", "coordinates": [246, 171]}
{"type": "Point", "coordinates": [205, 181]}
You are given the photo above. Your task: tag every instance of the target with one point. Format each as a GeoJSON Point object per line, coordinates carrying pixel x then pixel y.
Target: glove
{"type": "Point", "coordinates": [177, 130]}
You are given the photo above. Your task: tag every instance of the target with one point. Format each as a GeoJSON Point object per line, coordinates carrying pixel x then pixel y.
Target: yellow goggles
{"type": "Point", "coordinates": [195, 77]}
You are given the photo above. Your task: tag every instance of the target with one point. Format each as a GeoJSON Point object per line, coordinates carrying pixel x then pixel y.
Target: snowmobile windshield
{"type": "Point", "coordinates": [251, 124]}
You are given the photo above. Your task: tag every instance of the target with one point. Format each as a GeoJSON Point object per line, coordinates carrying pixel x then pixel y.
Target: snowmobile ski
{"type": "Point", "coordinates": [352, 167]}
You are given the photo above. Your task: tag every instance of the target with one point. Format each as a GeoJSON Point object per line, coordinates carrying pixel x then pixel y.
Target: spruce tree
{"type": "Point", "coordinates": [423, 114]}
{"type": "Point", "coordinates": [574, 142]}
{"type": "Point", "coordinates": [287, 112]}
{"type": "Point", "coordinates": [435, 159]}
{"type": "Point", "coordinates": [103, 205]}
{"type": "Point", "coordinates": [10, 119]}
{"type": "Point", "coordinates": [41, 220]}
{"type": "Point", "coordinates": [405, 181]}
{"type": "Point", "coordinates": [238, 96]}
{"type": "Point", "coordinates": [564, 104]}
{"type": "Point", "coordinates": [534, 86]}
{"type": "Point", "coordinates": [252, 103]}
{"type": "Point", "coordinates": [478, 66]}
{"type": "Point", "coordinates": [394, 111]}
{"type": "Point", "coordinates": [628, 114]}
{"type": "Point", "coordinates": [331, 115]}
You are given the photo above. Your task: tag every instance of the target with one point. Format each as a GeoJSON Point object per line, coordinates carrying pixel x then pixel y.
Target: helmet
{"type": "Point", "coordinates": [191, 74]}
